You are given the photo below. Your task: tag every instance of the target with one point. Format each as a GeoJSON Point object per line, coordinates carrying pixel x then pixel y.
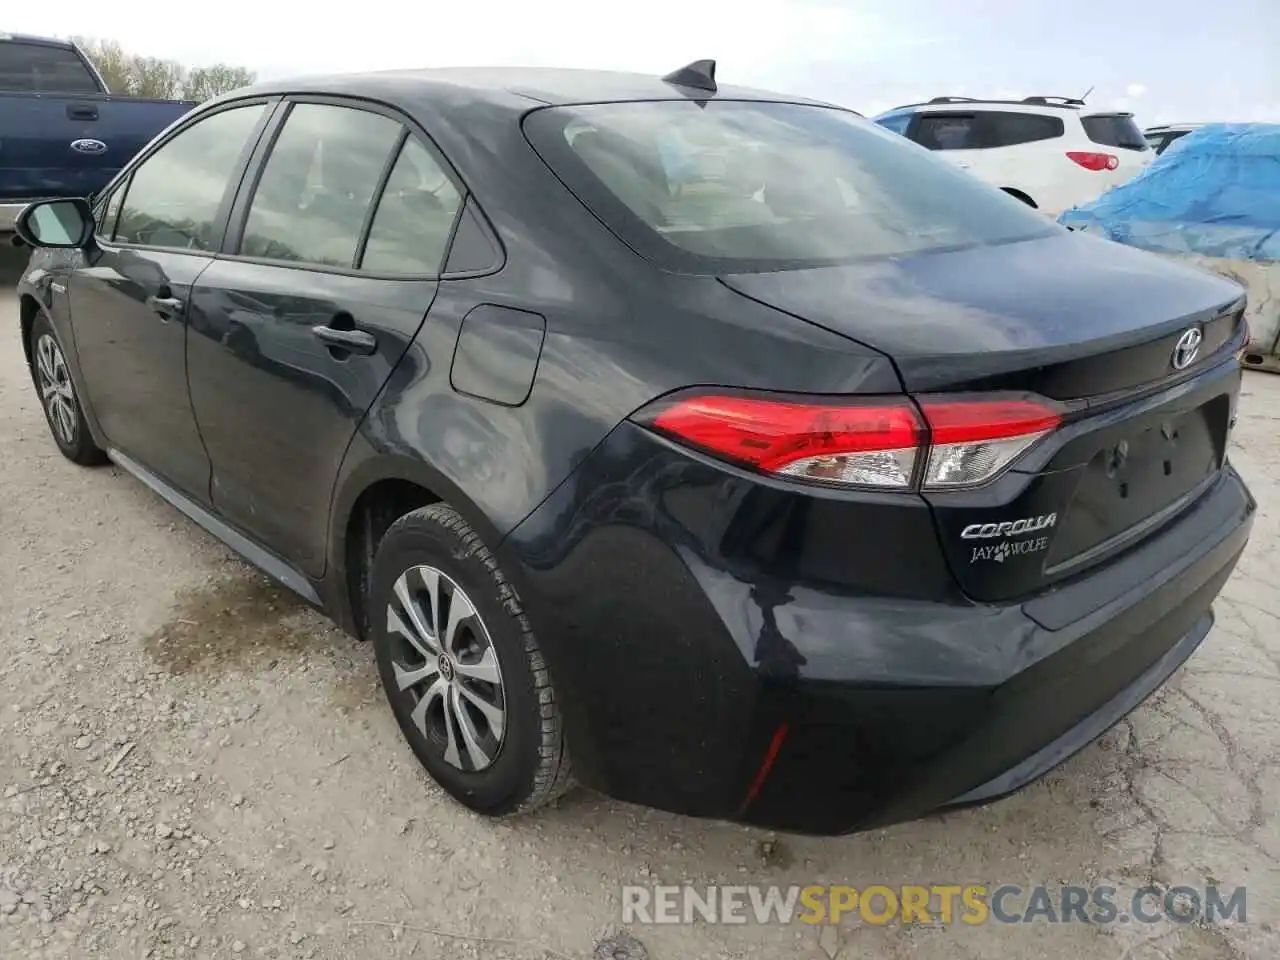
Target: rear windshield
{"type": "Point", "coordinates": [1114, 131]}
{"type": "Point", "coordinates": [729, 186]}
{"type": "Point", "coordinates": [40, 68]}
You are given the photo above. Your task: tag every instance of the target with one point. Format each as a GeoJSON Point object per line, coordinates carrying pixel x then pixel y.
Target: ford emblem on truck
{"type": "Point", "coordinates": [93, 147]}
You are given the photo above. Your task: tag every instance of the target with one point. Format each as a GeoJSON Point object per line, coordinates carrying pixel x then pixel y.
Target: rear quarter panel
{"type": "Point", "coordinates": [619, 333]}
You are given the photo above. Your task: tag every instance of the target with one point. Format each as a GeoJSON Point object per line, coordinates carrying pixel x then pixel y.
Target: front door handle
{"type": "Point", "coordinates": [167, 307]}
{"type": "Point", "coordinates": [352, 341]}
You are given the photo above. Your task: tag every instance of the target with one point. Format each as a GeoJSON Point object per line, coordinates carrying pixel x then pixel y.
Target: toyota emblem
{"type": "Point", "coordinates": [1187, 348]}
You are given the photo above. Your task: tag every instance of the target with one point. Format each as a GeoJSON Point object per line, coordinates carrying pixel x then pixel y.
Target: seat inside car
{"type": "Point", "coordinates": [611, 159]}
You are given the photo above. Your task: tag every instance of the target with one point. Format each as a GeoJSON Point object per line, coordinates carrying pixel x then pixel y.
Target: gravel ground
{"type": "Point", "coordinates": [193, 764]}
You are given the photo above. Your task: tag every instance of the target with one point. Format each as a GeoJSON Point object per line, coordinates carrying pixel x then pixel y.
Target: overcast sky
{"type": "Point", "coordinates": [1166, 60]}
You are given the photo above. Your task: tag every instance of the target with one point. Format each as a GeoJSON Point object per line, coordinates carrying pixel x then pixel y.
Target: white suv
{"type": "Point", "coordinates": [1043, 150]}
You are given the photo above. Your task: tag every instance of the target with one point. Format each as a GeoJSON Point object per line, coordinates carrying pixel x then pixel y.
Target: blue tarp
{"type": "Point", "coordinates": [1215, 192]}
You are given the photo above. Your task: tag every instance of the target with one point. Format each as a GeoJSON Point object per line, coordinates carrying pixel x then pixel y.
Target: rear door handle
{"type": "Point", "coordinates": [353, 341]}
{"type": "Point", "coordinates": [78, 112]}
{"type": "Point", "coordinates": [167, 307]}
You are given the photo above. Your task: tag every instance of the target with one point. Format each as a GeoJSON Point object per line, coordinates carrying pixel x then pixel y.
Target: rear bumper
{"type": "Point", "coordinates": [682, 667]}
{"type": "Point", "coordinates": [1059, 672]}
{"type": "Point", "coordinates": [1093, 725]}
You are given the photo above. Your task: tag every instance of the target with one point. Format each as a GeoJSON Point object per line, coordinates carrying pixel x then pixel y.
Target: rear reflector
{"type": "Point", "coordinates": [879, 442]}
{"type": "Point", "coordinates": [766, 765]}
{"type": "Point", "coordinates": [1094, 161]}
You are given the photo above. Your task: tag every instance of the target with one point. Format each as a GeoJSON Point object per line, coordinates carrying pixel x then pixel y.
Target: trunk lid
{"type": "Point", "coordinates": [1068, 316]}
{"type": "Point", "coordinates": [1075, 319]}
{"type": "Point", "coordinates": [1101, 483]}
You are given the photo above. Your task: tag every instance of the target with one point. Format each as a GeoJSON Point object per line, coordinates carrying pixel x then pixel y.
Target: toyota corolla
{"type": "Point", "coordinates": [743, 452]}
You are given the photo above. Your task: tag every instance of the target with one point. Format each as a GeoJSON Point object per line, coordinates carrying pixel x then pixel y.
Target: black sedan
{"type": "Point", "coordinates": [745, 452]}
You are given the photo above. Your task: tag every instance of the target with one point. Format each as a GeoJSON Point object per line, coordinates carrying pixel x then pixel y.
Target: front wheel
{"type": "Point", "coordinates": [58, 397]}
{"type": "Point", "coordinates": [462, 669]}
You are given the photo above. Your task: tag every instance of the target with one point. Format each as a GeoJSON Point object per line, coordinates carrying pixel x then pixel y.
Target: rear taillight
{"type": "Point", "coordinates": [971, 441]}
{"type": "Point", "coordinates": [891, 443]}
{"type": "Point", "coordinates": [1094, 161]}
{"type": "Point", "coordinates": [866, 445]}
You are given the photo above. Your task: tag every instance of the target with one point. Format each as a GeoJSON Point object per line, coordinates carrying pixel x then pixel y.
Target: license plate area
{"type": "Point", "coordinates": [1140, 473]}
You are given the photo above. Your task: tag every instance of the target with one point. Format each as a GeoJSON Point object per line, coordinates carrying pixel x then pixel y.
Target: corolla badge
{"type": "Point", "coordinates": [1014, 528]}
{"type": "Point", "coordinates": [89, 146]}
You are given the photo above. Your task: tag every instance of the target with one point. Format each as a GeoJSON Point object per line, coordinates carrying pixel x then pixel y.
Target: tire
{"type": "Point", "coordinates": [58, 397]}
{"type": "Point", "coordinates": [496, 747]}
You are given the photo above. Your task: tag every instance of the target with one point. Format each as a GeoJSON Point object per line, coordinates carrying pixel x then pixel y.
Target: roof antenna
{"type": "Point", "coordinates": [700, 75]}
{"type": "Point", "coordinates": [1084, 95]}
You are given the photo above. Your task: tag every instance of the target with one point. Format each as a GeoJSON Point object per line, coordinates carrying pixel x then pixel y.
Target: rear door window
{"type": "Point", "coordinates": [414, 220]}
{"type": "Point", "coordinates": [1007, 129]}
{"type": "Point", "coordinates": [42, 68]}
{"type": "Point", "coordinates": [318, 185]}
{"type": "Point", "coordinates": [948, 131]}
{"type": "Point", "coordinates": [1114, 130]}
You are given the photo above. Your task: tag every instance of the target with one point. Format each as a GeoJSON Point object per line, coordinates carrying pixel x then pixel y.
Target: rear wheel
{"type": "Point", "coordinates": [461, 667]}
{"type": "Point", "coordinates": [58, 396]}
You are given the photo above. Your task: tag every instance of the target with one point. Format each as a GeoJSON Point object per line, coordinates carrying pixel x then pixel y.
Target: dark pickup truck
{"type": "Point", "coordinates": [62, 134]}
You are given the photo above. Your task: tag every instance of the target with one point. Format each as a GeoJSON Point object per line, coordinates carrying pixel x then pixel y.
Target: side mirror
{"type": "Point", "coordinates": [57, 224]}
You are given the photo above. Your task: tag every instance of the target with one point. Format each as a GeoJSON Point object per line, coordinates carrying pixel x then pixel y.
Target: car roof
{"type": "Point", "coordinates": [1000, 106]}
{"type": "Point", "coordinates": [43, 41]}
{"type": "Point", "coordinates": [1026, 103]}
{"type": "Point", "coordinates": [994, 106]}
{"type": "Point", "coordinates": [512, 86]}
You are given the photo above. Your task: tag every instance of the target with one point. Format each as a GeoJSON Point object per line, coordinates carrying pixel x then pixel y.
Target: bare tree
{"type": "Point", "coordinates": [204, 83]}
{"type": "Point", "coordinates": [132, 75]}
{"type": "Point", "coordinates": [112, 62]}
{"type": "Point", "coordinates": [157, 78]}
